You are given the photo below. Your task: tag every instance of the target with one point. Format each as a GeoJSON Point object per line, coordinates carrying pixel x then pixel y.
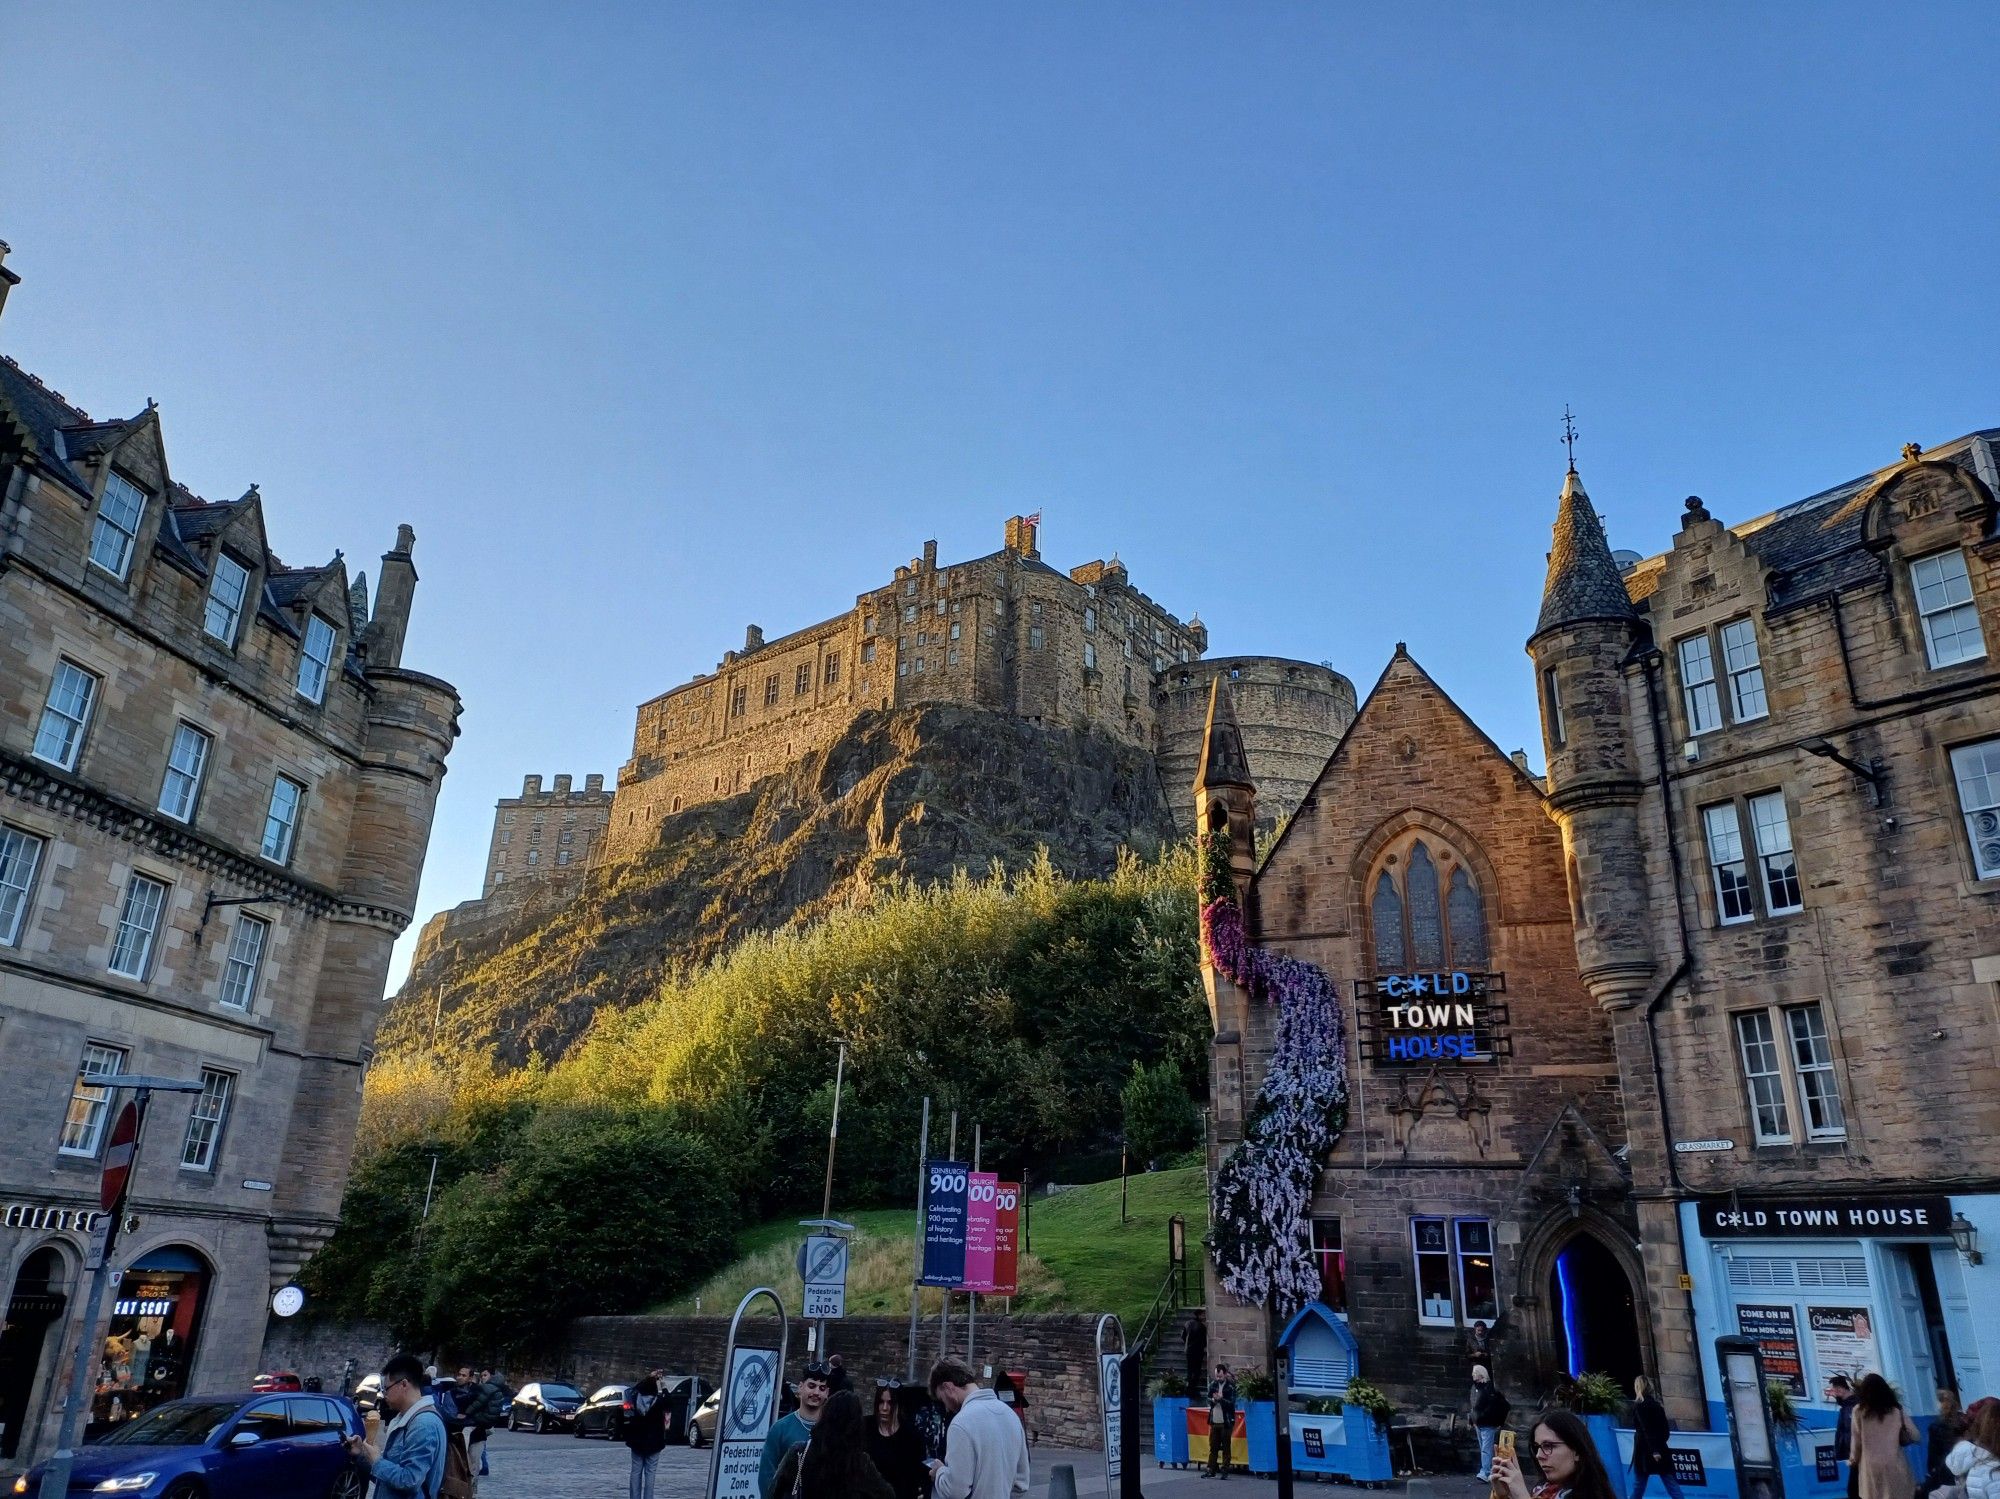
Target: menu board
{"type": "Point", "coordinates": [1776, 1330]}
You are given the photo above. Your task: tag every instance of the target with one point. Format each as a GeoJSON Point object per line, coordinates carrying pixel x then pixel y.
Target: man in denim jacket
{"type": "Point", "coordinates": [410, 1462]}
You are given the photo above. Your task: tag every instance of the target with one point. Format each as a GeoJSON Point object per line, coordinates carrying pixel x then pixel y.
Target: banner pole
{"type": "Point", "coordinates": [972, 1295]}
{"type": "Point", "coordinates": [917, 1274]}
{"type": "Point", "coordinates": [944, 1292]}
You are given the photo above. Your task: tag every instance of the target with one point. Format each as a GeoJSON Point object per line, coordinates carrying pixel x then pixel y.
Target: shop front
{"type": "Point", "coordinates": [149, 1345]}
{"type": "Point", "coordinates": [1842, 1283]}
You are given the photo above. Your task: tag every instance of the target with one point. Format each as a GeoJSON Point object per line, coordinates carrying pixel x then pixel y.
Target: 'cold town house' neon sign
{"type": "Point", "coordinates": [1416, 1019]}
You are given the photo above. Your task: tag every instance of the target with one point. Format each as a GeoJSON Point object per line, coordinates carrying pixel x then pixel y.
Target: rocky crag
{"type": "Point", "coordinates": [912, 794]}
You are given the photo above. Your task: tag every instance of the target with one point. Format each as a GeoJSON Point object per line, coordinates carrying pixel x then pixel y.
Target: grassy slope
{"type": "Point", "coordinates": [1083, 1259]}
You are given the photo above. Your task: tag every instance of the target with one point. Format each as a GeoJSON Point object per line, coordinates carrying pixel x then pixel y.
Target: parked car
{"type": "Point", "coordinates": [368, 1394]}
{"type": "Point", "coordinates": [685, 1394]}
{"type": "Point", "coordinates": [267, 1383]}
{"type": "Point", "coordinates": [544, 1405]}
{"type": "Point", "coordinates": [604, 1413]}
{"type": "Point", "coordinates": [701, 1428]}
{"type": "Point", "coordinates": [249, 1446]}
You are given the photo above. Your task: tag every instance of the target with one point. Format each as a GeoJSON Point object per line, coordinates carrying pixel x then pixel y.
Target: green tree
{"type": "Point", "coordinates": [1160, 1118]}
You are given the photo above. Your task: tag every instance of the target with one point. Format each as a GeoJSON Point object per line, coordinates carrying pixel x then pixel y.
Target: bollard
{"type": "Point", "coordinates": [1062, 1481]}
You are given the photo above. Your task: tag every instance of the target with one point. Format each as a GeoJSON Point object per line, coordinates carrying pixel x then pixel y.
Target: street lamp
{"type": "Point", "coordinates": [114, 1190]}
{"type": "Point", "coordinates": [1872, 772]}
{"type": "Point", "coordinates": [1966, 1238]}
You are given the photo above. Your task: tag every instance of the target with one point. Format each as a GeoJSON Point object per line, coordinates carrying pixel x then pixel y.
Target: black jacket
{"type": "Point", "coordinates": [646, 1427]}
{"type": "Point", "coordinates": [1649, 1438]}
{"type": "Point", "coordinates": [1489, 1406]}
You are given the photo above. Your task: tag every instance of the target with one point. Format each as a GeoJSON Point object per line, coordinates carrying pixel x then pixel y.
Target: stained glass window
{"type": "Point", "coordinates": [1426, 919]}
{"type": "Point", "coordinates": [1387, 911]}
{"type": "Point", "coordinates": [1468, 922]}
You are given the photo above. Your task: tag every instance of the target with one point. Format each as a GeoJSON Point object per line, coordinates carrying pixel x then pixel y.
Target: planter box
{"type": "Point", "coordinates": [1170, 1431]}
{"type": "Point", "coordinates": [1260, 1427]}
{"type": "Point", "coordinates": [1604, 1435]}
{"type": "Point", "coordinates": [1349, 1445]}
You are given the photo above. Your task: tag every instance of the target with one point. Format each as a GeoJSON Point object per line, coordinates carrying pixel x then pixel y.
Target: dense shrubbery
{"type": "Point", "coordinates": [616, 1176]}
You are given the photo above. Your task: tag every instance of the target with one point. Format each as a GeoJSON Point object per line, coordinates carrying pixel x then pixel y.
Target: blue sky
{"type": "Point", "coordinates": [655, 320]}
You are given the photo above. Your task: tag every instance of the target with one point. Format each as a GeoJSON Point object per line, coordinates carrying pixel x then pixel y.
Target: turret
{"type": "Point", "coordinates": [1581, 647]}
{"type": "Point", "coordinates": [1225, 798]}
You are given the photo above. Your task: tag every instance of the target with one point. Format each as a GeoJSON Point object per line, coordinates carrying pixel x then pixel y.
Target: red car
{"type": "Point", "coordinates": [265, 1383]}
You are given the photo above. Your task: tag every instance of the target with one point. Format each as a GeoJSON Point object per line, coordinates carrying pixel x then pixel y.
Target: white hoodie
{"type": "Point", "coordinates": [1976, 1468]}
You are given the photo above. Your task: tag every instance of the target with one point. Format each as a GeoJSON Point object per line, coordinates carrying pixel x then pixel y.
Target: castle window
{"type": "Point", "coordinates": [1944, 604]}
{"type": "Point", "coordinates": [1186, 655]}
{"type": "Point", "coordinates": [562, 856]}
{"type": "Point", "coordinates": [1089, 656]}
{"type": "Point", "coordinates": [909, 614]}
{"type": "Point", "coordinates": [999, 608]}
{"type": "Point", "coordinates": [677, 804]}
{"type": "Point", "coordinates": [910, 587]}
{"type": "Point", "coordinates": [1128, 648]}
{"type": "Point", "coordinates": [534, 856]}
{"type": "Point", "coordinates": [771, 690]}
{"type": "Point", "coordinates": [1425, 910]}
{"type": "Point", "coordinates": [954, 606]}
{"type": "Point", "coordinates": [1746, 670]}
{"type": "Point", "coordinates": [1699, 698]}
{"type": "Point", "coordinates": [1034, 637]}
{"type": "Point", "coordinates": [954, 632]}
{"type": "Point", "coordinates": [1128, 681]}
{"type": "Point", "coordinates": [923, 637]}
{"type": "Point", "coordinates": [868, 624]}
{"type": "Point", "coordinates": [1036, 609]}
{"type": "Point", "coordinates": [1089, 620]}
{"type": "Point", "coordinates": [1976, 768]}
{"type": "Point", "coordinates": [951, 658]}
{"type": "Point", "coordinates": [989, 632]}
{"type": "Point", "coordinates": [920, 666]}
{"type": "Point", "coordinates": [1552, 708]}
{"type": "Point", "coordinates": [867, 652]}
{"type": "Point", "coordinates": [228, 581]}
{"type": "Point", "coordinates": [902, 668]}
{"type": "Point", "coordinates": [738, 698]}
{"type": "Point", "coordinates": [832, 673]}
{"type": "Point", "coordinates": [506, 836]}
{"type": "Point", "coordinates": [1159, 637]}
{"type": "Point", "coordinates": [940, 606]}
{"type": "Point", "coordinates": [802, 679]}
{"type": "Point", "coordinates": [117, 529]}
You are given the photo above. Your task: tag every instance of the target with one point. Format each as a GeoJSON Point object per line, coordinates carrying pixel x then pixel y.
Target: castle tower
{"type": "Point", "coordinates": [1580, 647]}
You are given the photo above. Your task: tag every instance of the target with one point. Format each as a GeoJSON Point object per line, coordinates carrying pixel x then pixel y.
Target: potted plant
{"type": "Point", "coordinates": [1368, 1411]}
{"type": "Point", "coordinates": [1259, 1393]}
{"type": "Point", "coordinates": [1784, 1419]}
{"type": "Point", "coordinates": [1170, 1421]}
{"type": "Point", "coordinates": [1598, 1399]}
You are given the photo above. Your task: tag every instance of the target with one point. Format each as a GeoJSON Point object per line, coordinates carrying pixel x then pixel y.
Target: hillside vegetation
{"type": "Point", "coordinates": [620, 1174]}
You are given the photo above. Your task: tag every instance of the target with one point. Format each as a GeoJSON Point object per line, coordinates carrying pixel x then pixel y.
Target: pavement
{"type": "Point", "coordinates": [562, 1467]}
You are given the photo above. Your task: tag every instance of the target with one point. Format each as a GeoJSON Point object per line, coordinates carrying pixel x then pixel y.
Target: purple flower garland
{"type": "Point", "coordinates": [1260, 1216]}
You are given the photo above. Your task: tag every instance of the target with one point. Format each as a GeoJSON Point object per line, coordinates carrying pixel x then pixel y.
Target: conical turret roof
{"type": "Point", "coordinates": [1223, 762]}
{"type": "Point", "coordinates": [1583, 582]}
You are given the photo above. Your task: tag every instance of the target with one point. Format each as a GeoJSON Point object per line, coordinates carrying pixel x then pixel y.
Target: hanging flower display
{"type": "Point", "coordinates": [1261, 1228]}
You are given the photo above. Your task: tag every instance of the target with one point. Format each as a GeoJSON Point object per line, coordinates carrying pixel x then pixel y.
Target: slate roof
{"type": "Point", "coordinates": [1814, 546]}
{"type": "Point", "coordinates": [1583, 582]}
{"type": "Point", "coordinates": [1223, 762]}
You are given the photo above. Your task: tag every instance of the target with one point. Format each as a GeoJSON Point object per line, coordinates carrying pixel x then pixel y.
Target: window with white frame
{"type": "Point", "coordinates": [281, 819]}
{"type": "Point", "coordinates": [117, 528]}
{"type": "Point", "coordinates": [205, 1120]}
{"type": "Point", "coordinates": [20, 857]}
{"type": "Point", "coordinates": [1089, 656]}
{"type": "Point", "coordinates": [1699, 698]}
{"type": "Point", "coordinates": [244, 961]}
{"type": "Point", "coordinates": [1089, 620]}
{"type": "Point", "coordinates": [65, 716]}
{"type": "Point", "coordinates": [228, 581]}
{"type": "Point", "coordinates": [138, 924]}
{"type": "Point", "coordinates": [1727, 866]}
{"type": "Point", "coordinates": [1944, 604]}
{"type": "Point", "coordinates": [1034, 637]}
{"type": "Point", "coordinates": [315, 659]}
{"type": "Point", "coordinates": [1976, 767]}
{"type": "Point", "coordinates": [1745, 668]}
{"type": "Point", "coordinates": [1812, 1066]}
{"type": "Point", "coordinates": [1479, 1291]}
{"type": "Point", "coordinates": [1763, 1074]}
{"type": "Point", "coordinates": [83, 1125]}
{"type": "Point", "coordinates": [1775, 860]}
{"type": "Point", "coordinates": [187, 760]}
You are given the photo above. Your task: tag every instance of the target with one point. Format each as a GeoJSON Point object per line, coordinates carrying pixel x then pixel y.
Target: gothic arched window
{"type": "Point", "coordinates": [1425, 911]}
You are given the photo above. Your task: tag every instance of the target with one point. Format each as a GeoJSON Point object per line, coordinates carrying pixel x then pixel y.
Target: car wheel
{"type": "Point", "coordinates": [541, 1423]}
{"type": "Point", "coordinates": [351, 1484]}
{"type": "Point", "coordinates": [185, 1488]}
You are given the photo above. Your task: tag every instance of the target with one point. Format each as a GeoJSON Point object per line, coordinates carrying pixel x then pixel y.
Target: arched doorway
{"type": "Point", "coordinates": [153, 1337]}
{"type": "Point", "coordinates": [34, 1311]}
{"type": "Point", "coordinates": [1596, 1312]}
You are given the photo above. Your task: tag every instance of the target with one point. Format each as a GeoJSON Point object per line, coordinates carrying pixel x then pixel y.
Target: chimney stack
{"type": "Point", "coordinates": [531, 786]}
{"type": "Point", "coordinates": [753, 638]}
{"type": "Point", "coordinates": [396, 586]}
{"type": "Point", "coordinates": [930, 556]}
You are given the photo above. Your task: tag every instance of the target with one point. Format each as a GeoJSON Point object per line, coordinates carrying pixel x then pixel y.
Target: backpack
{"type": "Point", "coordinates": [457, 1470]}
{"type": "Point", "coordinates": [450, 1404]}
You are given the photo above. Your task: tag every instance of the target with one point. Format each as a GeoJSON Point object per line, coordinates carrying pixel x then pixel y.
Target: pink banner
{"type": "Point", "coordinates": [981, 1230]}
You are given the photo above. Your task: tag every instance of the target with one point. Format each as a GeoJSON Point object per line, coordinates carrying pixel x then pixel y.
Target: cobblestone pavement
{"type": "Point", "coordinates": [561, 1467]}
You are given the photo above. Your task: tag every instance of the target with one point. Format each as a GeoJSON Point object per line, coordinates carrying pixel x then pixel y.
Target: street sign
{"type": "Point", "coordinates": [118, 1158]}
{"type": "Point", "coordinates": [749, 1403]}
{"type": "Point", "coordinates": [1701, 1147]}
{"type": "Point", "coordinates": [1111, 1398]}
{"type": "Point", "coordinates": [823, 1267]}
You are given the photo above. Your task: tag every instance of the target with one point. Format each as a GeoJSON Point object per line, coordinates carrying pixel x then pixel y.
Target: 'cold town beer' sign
{"type": "Point", "coordinates": [1417, 1019]}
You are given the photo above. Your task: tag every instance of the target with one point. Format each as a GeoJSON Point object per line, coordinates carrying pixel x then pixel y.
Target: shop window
{"type": "Point", "coordinates": [203, 1141]}
{"type": "Point", "coordinates": [1425, 910]}
{"type": "Point", "coordinates": [89, 1105]}
{"type": "Point", "coordinates": [1332, 1260]}
{"type": "Point", "coordinates": [20, 857]}
{"type": "Point", "coordinates": [1944, 604]}
{"type": "Point", "coordinates": [149, 1348]}
{"type": "Point", "coordinates": [1976, 768]}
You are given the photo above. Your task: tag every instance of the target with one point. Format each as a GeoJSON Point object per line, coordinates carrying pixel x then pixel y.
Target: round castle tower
{"type": "Point", "coordinates": [1291, 715]}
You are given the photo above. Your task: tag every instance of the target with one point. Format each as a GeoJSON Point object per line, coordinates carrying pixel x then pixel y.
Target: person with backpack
{"type": "Point", "coordinates": [411, 1462]}
{"type": "Point", "coordinates": [1489, 1413]}
{"type": "Point", "coordinates": [646, 1431]}
{"type": "Point", "coordinates": [484, 1405]}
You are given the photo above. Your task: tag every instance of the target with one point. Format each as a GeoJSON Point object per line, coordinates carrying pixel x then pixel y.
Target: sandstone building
{"type": "Point", "coordinates": [216, 787]}
{"type": "Point", "coordinates": [1774, 751]}
{"type": "Point", "coordinates": [546, 835]}
{"type": "Point", "coordinates": [1477, 1192]}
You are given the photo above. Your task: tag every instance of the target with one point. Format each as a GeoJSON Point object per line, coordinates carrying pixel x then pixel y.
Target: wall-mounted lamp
{"type": "Point", "coordinates": [1873, 772]}
{"type": "Point", "coordinates": [1966, 1237]}
{"type": "Point", "coordinates": [214, 901]}
{"type": "Point", "coordinates": [1573, 1195]}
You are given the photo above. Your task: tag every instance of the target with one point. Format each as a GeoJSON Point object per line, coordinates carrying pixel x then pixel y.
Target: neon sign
{"type": "Point", "coordinates": [1420, 1019]}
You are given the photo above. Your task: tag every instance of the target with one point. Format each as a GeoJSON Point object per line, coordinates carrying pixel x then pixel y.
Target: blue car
{"type": "Point", "coordinates": [223, 1447]}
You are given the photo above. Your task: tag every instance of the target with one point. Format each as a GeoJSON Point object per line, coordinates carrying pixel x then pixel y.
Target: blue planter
{"type": "Point", "coordinates": [1260, 1429]}
{"type": "Point", "coordinates": [1170, 1431]}
{"type": "Point", "coordinates": [1604, 1434]}
{"type": "Point", "coordinates": [1367, 1447]}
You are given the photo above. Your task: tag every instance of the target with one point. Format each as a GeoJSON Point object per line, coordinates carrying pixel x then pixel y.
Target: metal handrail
{"type": "Point", "coordinates": [1169, 1299]}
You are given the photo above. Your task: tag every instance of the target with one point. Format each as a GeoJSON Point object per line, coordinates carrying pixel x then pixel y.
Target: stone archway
{"type": "Point", "coordinates": [1583, 1285]}
{"type": "Point", "coordinates": [29, 1340]}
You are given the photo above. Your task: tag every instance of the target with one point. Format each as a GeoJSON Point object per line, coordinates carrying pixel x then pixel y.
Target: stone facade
{"type": "Point", "coordinates": [546, 835]}
{"type": "Point", "coordinates": [1292, 713]}
{"type": "Point", "coordinates": [1774, 751]}
{"type": "Point", "coordinates": [216, 787]}
{"type": "Point", "coordinates": [1005, 631]}
{"type": "Point", "coordinates": [1421, 848]}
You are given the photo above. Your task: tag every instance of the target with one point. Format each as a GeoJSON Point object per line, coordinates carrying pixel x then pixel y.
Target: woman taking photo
{"type": "Point", "coordinates": [1571, 1468]}
{"type": "Point", "coordinates": [893, 1444]}
{"type": "Point", "coordinates": [1882, 1428]}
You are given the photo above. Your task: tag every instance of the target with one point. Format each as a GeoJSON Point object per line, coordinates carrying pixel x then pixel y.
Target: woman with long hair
{"type": "Point", "coordinates": [1882, 1429]}
{"type": "Point", "coordinates": [1975, 1461]}
{"type": "Point", "coordinates": [1571, 1468]}
{"type": "Point", "coordinates": [894, 1445]}
{"type": "Point", "coordinates": [835, 1463]}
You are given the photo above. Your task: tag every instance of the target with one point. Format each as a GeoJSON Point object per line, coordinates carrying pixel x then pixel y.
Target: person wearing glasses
{"type": "Point", "coordinates": [894, 1445]}
{"type": "Point", "coordinates": [410, 1462]}
{"type": "Point", "coordinates": [1571, 1468]}
{"type": "Point", "coordinates": [795, 1428]}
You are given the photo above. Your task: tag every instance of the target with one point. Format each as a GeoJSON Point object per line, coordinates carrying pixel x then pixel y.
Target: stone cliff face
{"type": "Point", "coordinates": [915, 793]}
